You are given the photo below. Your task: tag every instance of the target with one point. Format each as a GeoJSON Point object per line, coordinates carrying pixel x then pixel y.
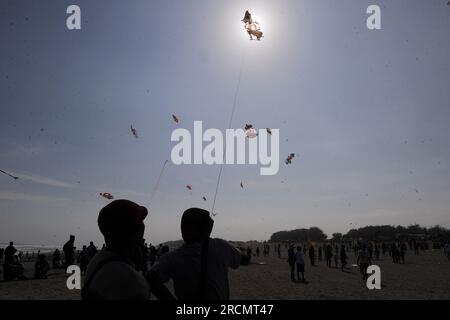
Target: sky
{"type": "Point", "coordinates": [366, 113]}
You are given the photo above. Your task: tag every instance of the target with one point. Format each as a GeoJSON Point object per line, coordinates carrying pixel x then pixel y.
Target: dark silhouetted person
{"type": "Point", "coordinates": [14, 270]}
{"type": "Point", "coordinates": [199, 268]}
{"type": "Point", "coordinates": [363, 261]}
{"type": "Point", "coordinates": [447, 251]}
{"type": "Point", "coordinates": [41, 267]}
{"type": "Point", "coordinates": [9, 254]}
{"type": "Point", "coordinates": [328, 254]}
{"type": "Point", "coordinates": [110, 274]}
{"type": "Point", "coordinates": [91, 250]}
{"type": "Point", "coordinates": [291, 261]}
{"type": "Point", "coordinates": [402, 252]}
{"type": "Point", "coordinates": [416, 247]}
{"type": "Point", "coordinates": [377, 252]}
{"type": "Point", "coordinates": [336, 259]}
{"type": "Point", "coordinates": [312, 255]}
{"type": "Point", "coordinates": [370, 250]}
{"type": "Point", "coordinates": [300, 261]}
{"type": "Point", "coordinates": [69, 251]}
{"type": "Point", "coordinates": [56, 261]}
{"type": "Point", "coordinates": [9, 258]}
{"type": "Point", "coordinates": [395, 253]}
{"type": "Point", "coordinates": [343, 258]}
{"type": "Point", "coordinates": [83, 260]}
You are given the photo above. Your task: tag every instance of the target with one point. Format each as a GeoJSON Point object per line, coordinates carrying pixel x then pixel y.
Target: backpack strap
{"type": "Point", "coordinates": [85, 290]}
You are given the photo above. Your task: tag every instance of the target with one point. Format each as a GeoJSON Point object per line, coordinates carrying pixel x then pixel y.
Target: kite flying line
{"type": "Point", "coordinates": [157, 182]}
{"type": "Point", "coordinates": [229, 127]}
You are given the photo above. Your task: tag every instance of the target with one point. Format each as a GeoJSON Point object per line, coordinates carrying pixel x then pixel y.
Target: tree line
{"type": "Point", "coordinates": [370, 233]}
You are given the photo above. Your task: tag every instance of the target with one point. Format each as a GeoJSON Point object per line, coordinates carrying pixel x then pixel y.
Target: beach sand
{"type": "Point", "coordinates": [426, 276]}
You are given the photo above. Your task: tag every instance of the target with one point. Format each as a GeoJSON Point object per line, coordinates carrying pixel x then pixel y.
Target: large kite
{"type": "Point", "coordinates": [252, 27]}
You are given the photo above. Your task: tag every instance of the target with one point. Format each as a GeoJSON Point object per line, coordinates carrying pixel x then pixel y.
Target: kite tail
{"type": "Point", "coordinates": [236, 93]}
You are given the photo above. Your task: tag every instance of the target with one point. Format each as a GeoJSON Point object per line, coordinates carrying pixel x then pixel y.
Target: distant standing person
{"type": "Point", "coordinates": [249, 252]}
{"type": "Point", "coordinates": [9, 254]}
{"type": "Point", "coordinates": [336, 259]}
{"type": "Point", "coordinates": [69, 251]}
{"type": "Point", "coordinates": [403, 252]}
{"type": "Point", "coordinates": [292, 260]}
{"type": "Point", "coordinates": [447, 250]}
{"type": "Point", "coordinates": [343, 258]}
{"type": "Point", "coordinates": [395, 253]}
{"type": "Point", "coordinates": [91, 250]}
{"type": "Point", "coordinates": [83, 260]}
{"type": "Point", "coordinates": [328, 254]}
{"type": "Point", "coordinates": [363, 261]}
{"type": "Point", "coordinates": [41, 267]}
{"type": "Point", "coordinates": [416, 247]}
{"type": "Point", "coordinates": [56, 261]}
{"type": "Point", "coordinates": [377, 252]}
{"type": "Point", "coordinates": [300, 261]}
{"type": "Point", "coordinates": [312, 255]}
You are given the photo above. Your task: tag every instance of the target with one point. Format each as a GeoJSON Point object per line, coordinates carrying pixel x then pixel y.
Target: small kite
{"type": "Point", "coordinates": [204, 198]}
{"type": "Point", "coordinates": [9, 175]}
{"type": "Point", "coordinates": [289, 158]}
{"type": "Point", "coordinates": [269, 131]}
{"type": "Point", "coordinates": [189, 187]}
{"type": "Point", "coordinates": [174, 117]}
{"type": "Point", "coordinates": [134, 132]}
{"type": "Point", "coordinates": [250, 131]}
{"type": "Point", "coordinates": [107, 195]}
{"type": "Point", "coordinates": [242, 185]}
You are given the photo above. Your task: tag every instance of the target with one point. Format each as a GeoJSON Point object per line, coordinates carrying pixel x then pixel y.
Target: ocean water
{"type": "Point", "coordinates": [30, 248]}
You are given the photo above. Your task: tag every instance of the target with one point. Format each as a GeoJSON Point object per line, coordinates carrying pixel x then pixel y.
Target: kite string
{"type": "Point", "coordinates": [157, 182]}
{"type": "Point", "coordinates": [229, 127]}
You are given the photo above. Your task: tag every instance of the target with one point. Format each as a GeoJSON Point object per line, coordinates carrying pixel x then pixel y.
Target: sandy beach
{"type": "Point", "coordinates": [426, 276]}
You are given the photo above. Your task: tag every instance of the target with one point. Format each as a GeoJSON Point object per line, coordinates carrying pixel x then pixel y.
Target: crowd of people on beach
{"type": "Point", "coordinates": [365, 252]}
{"type": "Point", "coordinates": [126, 267]}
